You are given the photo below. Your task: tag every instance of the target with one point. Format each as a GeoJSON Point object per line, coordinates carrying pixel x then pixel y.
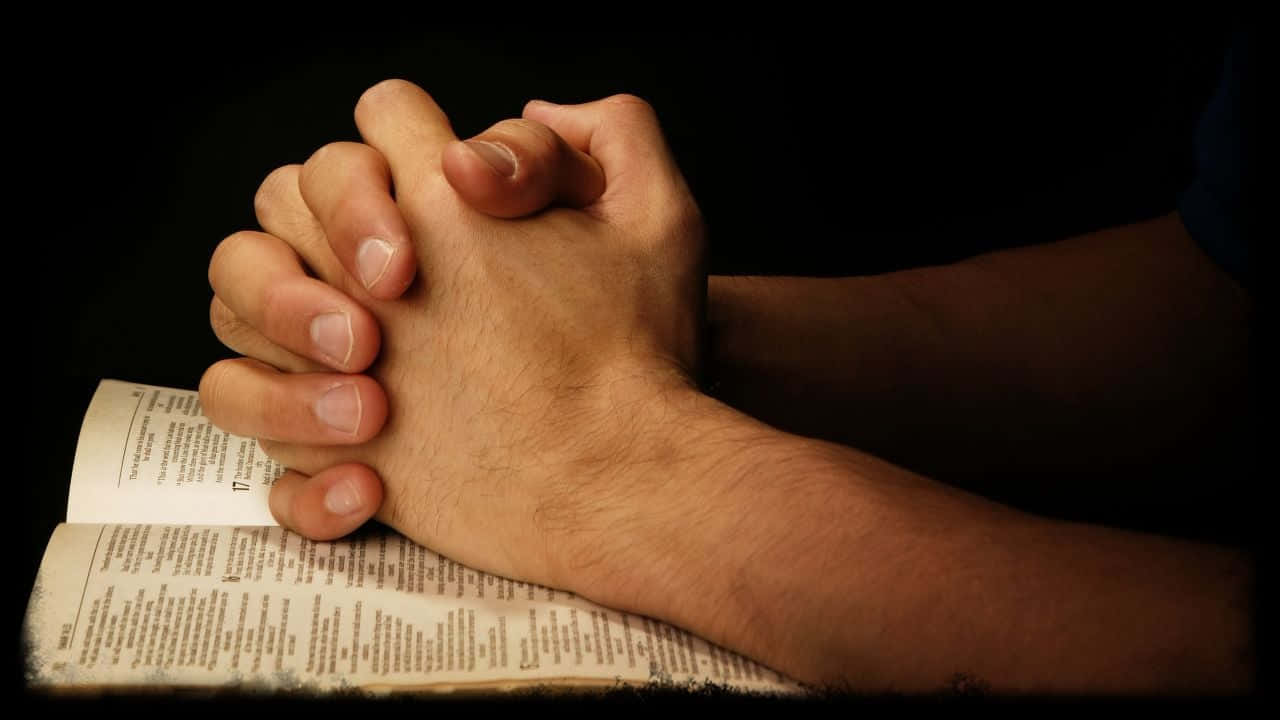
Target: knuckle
{"type": "Point", "coordinates": [273, 411]}
{"type": "Point", "coordinates": [273, 190]}
{"type": "Point", "coordinates": [226, 326]}
{"type": "Point", "coordinates": [321, 158]}
{"type": "Point", "coordinates": [383, 93]}
{"type": "Point", "coordinates": [272, 302]}
{"type": "Point", "coordinates": [318, 157]}
{"type": "Point", "coordinates": [631, 106]}
{"type": "Point", "coordinates": [213, 389]}
{"type": "Point", "coordinates": [685, 227]}
{"type": "Point", "coordinates": [228, 251]}
{"type": "Point", "coordinates": [687, 215]}
{"type": "Point", "coordinates": [334, 152]}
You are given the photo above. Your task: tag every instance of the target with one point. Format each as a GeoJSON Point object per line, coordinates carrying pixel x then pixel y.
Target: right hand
{"type": "Point", "coordinates": [342, 198]}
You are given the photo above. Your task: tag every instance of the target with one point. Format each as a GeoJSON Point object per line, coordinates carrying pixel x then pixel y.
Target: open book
{"type": "Point", "coordinates": [171, 572]}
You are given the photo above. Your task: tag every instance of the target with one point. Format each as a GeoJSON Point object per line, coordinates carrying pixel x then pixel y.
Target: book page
{"type": "Point", "coordinates": [260, 607]}
{"type": "Point", "coordinates": [148, 454]}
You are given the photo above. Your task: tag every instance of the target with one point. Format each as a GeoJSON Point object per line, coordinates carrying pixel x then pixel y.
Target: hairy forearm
{"type": "Point", "coordinates": [840, 569]}
{"type": "Point", "coordinates": [1109, 348]}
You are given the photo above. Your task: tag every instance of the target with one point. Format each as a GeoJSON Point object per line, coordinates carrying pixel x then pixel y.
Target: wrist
{"type": "Point", "coordinates": [666, 460]}
{"type": "Point", "coordinates": [711, 517]}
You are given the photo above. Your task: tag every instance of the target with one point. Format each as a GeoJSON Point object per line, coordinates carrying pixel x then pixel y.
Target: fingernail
{"type": "Point", "coordinates": [373, 257]}
{"type": "Point", "coordinates": [331, 333]}
{"type": "Point", "coordinates": [340, 408]}
{"type": "Point", "coordinates": [343, 499]}
{"type": "Point", "coordinates": [498, 157]}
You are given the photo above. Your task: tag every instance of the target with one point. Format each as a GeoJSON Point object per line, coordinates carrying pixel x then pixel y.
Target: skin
{"type": "Point", "coordinates": [1114, 349]}
{"type": "Point", "coordinates": [533, 412]}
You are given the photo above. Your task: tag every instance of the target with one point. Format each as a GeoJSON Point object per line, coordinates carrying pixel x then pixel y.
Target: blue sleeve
{"type": "Point", "coordinates": [1214, 205]}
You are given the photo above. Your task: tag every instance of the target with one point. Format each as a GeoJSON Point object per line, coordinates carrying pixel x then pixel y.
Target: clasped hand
{"type": "Point", "coordinates": [426, 343]}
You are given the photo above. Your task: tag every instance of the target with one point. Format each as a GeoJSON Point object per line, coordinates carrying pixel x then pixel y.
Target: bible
{"type": "Point", "coordinates": [170, 571]}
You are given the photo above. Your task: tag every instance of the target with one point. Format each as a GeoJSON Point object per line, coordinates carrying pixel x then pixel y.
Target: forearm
{"type": "Point", "coordinates": [1107, 348]}
{"type": "Point", "coordinates": [839, 569]}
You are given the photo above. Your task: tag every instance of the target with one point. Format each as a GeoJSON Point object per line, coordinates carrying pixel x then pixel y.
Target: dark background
{"type": "Point", "coordinates": [815, 148]}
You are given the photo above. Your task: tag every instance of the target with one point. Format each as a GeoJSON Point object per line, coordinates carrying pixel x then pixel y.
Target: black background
{"type": "Point", "coordinates": [824, 147]}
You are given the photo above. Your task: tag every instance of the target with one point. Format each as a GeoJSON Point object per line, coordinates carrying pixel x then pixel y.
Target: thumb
{"type": "Point", "coordinates": [623, 135]}
{"type": "Point", "coordinates": [519, 167]}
